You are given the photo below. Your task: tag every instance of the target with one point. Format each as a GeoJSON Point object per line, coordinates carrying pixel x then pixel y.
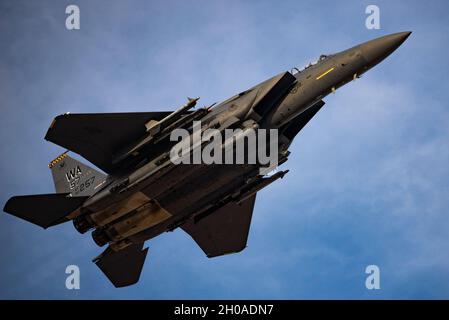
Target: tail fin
{"type": "Point", "coordinates": [72, 176]}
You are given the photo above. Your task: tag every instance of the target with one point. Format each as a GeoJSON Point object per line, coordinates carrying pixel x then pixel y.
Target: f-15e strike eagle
{"type": "Point", "coordinates": [143, 193]}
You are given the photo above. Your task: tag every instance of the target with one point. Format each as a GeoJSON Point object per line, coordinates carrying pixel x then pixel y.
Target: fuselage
{"type": "Point", "coordinates": [156, 195]}
{"type": "Point", "coordinates": [199, 170]}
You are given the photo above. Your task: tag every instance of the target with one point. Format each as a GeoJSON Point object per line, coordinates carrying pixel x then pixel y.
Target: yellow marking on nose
{"type": "Point", "coordinates": [323, 74]}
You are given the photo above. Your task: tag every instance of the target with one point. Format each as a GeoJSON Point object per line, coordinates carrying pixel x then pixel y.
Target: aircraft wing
{"type": "Point", "coordinates": [291, 129]}
{"type": "Point", "coordinates": [225, 230]}
{"type": "Point", "coordinates": [96, 136]}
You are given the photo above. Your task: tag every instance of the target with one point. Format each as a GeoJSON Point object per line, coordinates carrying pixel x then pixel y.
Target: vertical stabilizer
{"type": "Point", "coordinates": [74, 177]}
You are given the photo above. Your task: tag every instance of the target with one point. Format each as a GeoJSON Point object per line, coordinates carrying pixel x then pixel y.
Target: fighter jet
{"type": "Point", "coordinates": [140, 192]}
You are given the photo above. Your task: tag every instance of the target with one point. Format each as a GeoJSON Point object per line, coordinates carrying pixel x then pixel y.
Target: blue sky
{"type": "Point", "coordinates": [368, 181]}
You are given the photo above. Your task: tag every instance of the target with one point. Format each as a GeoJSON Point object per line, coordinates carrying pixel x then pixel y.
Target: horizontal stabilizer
{"type": "Point", "coordinates": [225, 230]}
{"type": "Point", "coordinates": [44, 210]}
{"type": "Point", "coordinates": [122, 267]}
{"type": "Point", "coordinates": [96, 136]}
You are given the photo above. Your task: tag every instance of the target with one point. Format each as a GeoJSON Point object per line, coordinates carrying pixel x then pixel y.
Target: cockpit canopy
{"type": "Point", "coordinates": [321, 58]}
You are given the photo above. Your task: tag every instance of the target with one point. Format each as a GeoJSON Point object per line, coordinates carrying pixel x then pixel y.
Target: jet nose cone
{"type": "Point", "coordinates": [378, 49]}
